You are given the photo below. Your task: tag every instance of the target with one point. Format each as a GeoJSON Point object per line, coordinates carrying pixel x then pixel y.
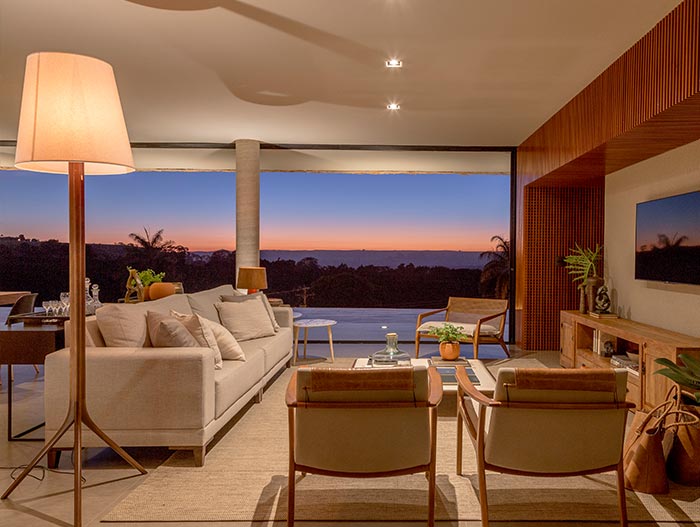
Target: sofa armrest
{"type": "Point", "coordinates": [283, 315]}
{"type": "Point", "coordinates": [136, 388]}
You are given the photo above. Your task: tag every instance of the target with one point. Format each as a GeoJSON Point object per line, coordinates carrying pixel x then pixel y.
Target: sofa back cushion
{"type": "Point", "coordinates": [247, 319]}
{"type": "Point", "coordinates": [202, 303]}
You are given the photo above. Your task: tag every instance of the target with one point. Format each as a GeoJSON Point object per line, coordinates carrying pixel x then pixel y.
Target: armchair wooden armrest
{"type": "Point", "coordinates": [291, 395]}
{"type": "Point", "coordinates": [465, 387]}
{"type": "Point", "coordinates": [421, 316]}
{"type": "Point", "coordinates": [435, 395]}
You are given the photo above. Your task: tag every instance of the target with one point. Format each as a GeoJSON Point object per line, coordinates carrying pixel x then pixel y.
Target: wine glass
{"type": "Point", "coordinates": [65, 303]}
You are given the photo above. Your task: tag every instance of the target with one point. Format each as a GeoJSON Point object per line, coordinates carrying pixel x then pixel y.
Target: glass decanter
{"type": "Point", "coordinates": [391, 355]}
{"type": "Point", "coordinates": [96, 296]}
{"type": "Point", "coordinates": [89, 303]}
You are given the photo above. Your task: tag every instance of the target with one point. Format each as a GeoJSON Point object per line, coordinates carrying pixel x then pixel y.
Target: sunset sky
{"type": "Point", "coordinates": [299, 211]}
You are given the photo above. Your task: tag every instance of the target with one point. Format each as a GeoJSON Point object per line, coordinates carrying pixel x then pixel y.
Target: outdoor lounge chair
{"type": "Point", "coordinates": [344, 423]}
{"type": "Point", "coordinates": [567, 423]}
{"type": "Point", "coordinates": [483, 320]}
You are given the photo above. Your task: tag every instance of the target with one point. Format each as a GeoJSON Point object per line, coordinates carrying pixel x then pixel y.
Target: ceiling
{"type": "Point", "coordinates": [475, 72]}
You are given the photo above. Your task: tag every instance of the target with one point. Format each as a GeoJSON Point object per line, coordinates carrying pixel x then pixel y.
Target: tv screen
{"type": "Point", "coordinates": [667, 245]}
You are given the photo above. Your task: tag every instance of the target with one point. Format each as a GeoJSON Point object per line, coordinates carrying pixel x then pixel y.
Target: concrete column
{"type": "Point", "coordinates": [247, 203]}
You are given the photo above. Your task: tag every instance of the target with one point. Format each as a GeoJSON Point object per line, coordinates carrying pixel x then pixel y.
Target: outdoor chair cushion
{"type": "Point", "coordinates": [468, 329]}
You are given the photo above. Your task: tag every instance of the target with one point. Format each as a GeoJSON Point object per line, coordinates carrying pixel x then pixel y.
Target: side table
{"type": "Point", "coordinates": [20, 344]}
{"type": "Point", "coordinates": [312, 323]}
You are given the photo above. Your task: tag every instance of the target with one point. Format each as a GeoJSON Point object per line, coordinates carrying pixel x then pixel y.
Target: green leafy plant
{"type": "Point", "coordinates": [687, 375]}
{"type": "Point", "coordinates": [448, 333]}
{"type": "Point", "coordinates": [581, 263]}
{"type": "Point", "coordinates": [149, 276]}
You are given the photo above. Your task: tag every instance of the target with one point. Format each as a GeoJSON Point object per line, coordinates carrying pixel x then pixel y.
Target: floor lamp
{"type": "Point", "coordinates": [71, 122]}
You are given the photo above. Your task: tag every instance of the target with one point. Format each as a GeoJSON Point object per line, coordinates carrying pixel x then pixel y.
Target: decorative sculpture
{"type": "Point", "coordinates": [602, 300]}
{"type": "Point", "coordinates": [134, 288]}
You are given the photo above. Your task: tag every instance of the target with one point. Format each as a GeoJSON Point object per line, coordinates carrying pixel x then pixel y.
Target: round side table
{"type": "Point", "coordinates": [312, 323]}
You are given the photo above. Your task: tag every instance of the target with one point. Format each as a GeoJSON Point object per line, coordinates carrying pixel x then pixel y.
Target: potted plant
{"type": "Point", "coordinates": [581, 264]}
{"type": "Point", "coordinates": [149, 277]}
{"type": "Point", "coordinates": [449, 336]}
{"type": "Point", "coordinates": [683, 464]}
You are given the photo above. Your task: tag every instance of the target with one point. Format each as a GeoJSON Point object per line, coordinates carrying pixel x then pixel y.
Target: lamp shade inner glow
{"type": "Point", "coordinates": [71, 112]}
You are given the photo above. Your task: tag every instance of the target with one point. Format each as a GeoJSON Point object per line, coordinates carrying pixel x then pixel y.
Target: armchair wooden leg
{"type": "Point", "coordinates": [460, 426]}
{"type": "Point", "coordinates": [505, 348]}
{"type": "Point", "coordinates": [290, 495]}
{"type": "Point", "coordinates": [36, 368]}
{"type": "Point", "coordinates": [483, 499]}
{"type": "Point", "coordinates": [621, 498]}
{"type": "Point", "coordinates": [417, 344]}
{"type": "Point", "coordinates": [476, 349]}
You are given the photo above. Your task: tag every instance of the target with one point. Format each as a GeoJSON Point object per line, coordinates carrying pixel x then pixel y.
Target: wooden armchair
{"type": "Point", "coordinates": [482, 319]}
{"type": "Point", "coordinates": [341, 423]}
{"type": "Point", "coordinates": [546, 422]}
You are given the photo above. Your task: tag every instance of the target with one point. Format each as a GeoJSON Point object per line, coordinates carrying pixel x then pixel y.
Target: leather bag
{"type": "Point", "coordinates": [683, 463]}
{"type": "Point", "coordinates": [649, 442]}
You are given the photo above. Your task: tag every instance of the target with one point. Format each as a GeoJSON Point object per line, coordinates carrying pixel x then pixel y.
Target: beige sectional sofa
{"type": "Point", "coordinates": [173, 397]}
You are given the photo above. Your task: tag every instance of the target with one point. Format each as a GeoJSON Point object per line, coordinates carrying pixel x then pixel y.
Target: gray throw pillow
{"type": "Point", "coordinates": [166, 331]}
{"type": "Point", "coordinates": [266, 303]}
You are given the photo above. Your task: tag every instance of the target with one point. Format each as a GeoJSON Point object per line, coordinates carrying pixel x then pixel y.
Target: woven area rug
{"type": "Point", "coordinates": [245, 479]}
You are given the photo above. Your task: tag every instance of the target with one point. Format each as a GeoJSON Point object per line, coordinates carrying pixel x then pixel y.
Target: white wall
{"type": "Point", "coordinates": [671, 306]}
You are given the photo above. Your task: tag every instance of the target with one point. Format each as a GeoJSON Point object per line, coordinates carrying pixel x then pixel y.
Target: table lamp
{"type": "Point", "coordinates": [252, 279]}
{"type": "Point", "coordinates": [71, 122]}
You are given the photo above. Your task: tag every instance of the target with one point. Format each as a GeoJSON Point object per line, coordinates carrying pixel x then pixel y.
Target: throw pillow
{"type": "Point", "coordinates": [202, 334]}
{"type": "Point", "coordinates": [168, 332]}
{"type": "Point", "coordinates": [123, 325]}
{"type": "Point", "coordinates": [246, 319]}
{"type": "Point", "coordinates": [266, 303]}
{"type": "Point", "coordinates": [228, 345]}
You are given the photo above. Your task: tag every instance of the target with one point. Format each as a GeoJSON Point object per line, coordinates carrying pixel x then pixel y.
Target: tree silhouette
{"type": "Point", "coordinates": [669, 243]}
{"type": "Point", "coordinates": [495, 276]}
{"type": "Point", "coordinates": [155, 244]}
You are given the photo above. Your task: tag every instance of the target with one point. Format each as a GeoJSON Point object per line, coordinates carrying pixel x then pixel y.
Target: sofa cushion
{"type": "Point", "coordinates": [275, 348]}
{"type": "Point", "coordinates": [247, 319]}
{"type": "Point", "coordinates": [202, 303]}
{"type": "Point", "coordinates": [235, 379]}
{"type": "Point", "coordinates": [265, 301]}
{"type": "Point", "coordinates": [228, 346]}
{"type": "Point", "coordinates": [168, 332]}
{"type": "Point", "coordinates": [202, 333]}
{"type": "Point", "coordinates": [123, 325]}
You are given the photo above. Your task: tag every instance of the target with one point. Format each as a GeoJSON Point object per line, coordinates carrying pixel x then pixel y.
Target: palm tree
{"type": "Point", "coordinates": [155, 244]}
{"type": "Point", "coordinates": [495, 276]}
{"type": "Point", "coordinates": [670, 243]}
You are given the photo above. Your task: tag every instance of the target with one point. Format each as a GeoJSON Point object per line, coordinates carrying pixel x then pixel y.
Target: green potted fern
{"type": "Point", "coordinates": [581, 265]}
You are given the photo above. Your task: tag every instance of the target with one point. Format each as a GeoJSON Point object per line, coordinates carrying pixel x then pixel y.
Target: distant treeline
{"type": "Point", "coordinates": [42, 267]}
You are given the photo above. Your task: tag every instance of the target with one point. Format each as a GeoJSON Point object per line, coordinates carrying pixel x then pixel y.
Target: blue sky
{"type": "Point", "coordinates": [299, 210]}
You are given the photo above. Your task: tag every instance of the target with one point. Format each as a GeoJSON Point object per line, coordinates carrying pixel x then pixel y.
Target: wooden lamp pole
{"type": "Point", "coordinates": [53, 75]}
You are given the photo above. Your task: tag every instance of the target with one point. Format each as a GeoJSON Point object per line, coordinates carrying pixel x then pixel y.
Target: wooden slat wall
{"type": "Point", "coordinates": [557, 219]}
{"type": "Point", "coordinates": [646, 103]}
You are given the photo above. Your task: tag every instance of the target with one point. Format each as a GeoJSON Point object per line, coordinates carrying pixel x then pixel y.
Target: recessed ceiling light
{"type": "Point", "coordinates": [393, 106]}
{"type": "Point", "coordinates": [393, 63]}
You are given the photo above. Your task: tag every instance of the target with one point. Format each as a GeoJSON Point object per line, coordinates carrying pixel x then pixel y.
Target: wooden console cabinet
{"type": "Point", "coordinates": [645, 390]}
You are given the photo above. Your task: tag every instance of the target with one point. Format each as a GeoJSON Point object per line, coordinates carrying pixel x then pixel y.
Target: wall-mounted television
{"type": "Point", "coordinates": [667, 247]}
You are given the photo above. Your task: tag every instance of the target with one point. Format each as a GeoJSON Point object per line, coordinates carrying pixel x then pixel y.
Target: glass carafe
{"type": "Point", "coordinates": [391, 355]}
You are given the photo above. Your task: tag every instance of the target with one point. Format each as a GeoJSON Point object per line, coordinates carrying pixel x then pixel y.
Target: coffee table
{"type": "Point", "coordinates": [479, 374]}
{"type": "Point", "coordinates": [312, 323]}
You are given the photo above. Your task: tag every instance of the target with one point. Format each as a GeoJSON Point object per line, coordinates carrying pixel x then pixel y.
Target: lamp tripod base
{"type": "Point", "coordinates": [71, 419]}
